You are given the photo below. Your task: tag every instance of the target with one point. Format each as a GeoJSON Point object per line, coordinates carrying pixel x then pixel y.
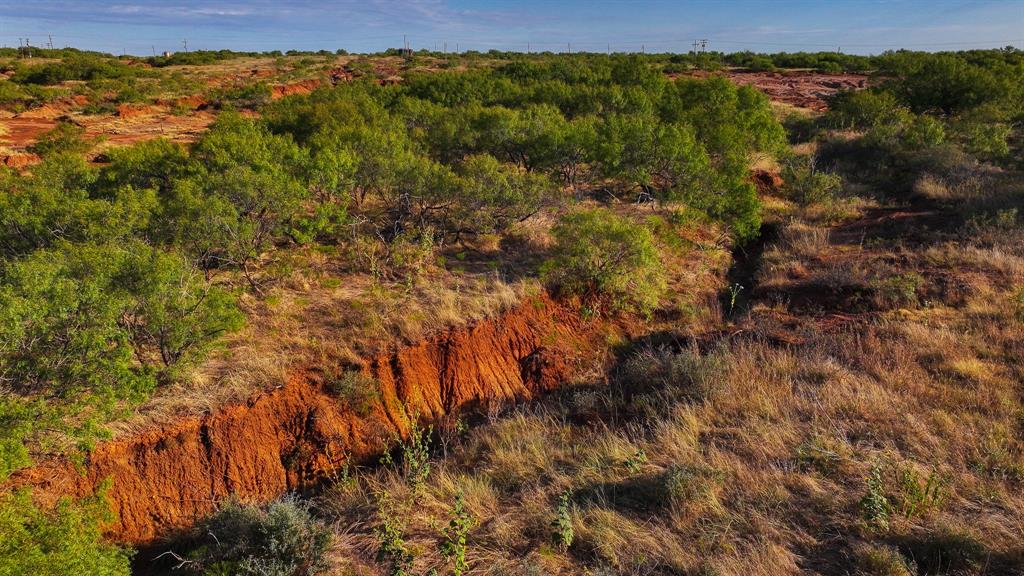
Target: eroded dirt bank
{"type": "Point", "coordinates": [297, 434]}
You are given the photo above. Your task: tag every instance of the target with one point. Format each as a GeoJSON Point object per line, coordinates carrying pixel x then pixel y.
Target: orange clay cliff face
{"type": "Point", "coordinates": [298, 434]}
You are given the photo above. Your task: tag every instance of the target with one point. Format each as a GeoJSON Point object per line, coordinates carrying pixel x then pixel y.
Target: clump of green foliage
{"type": "Point", "coordinates": [806, 183]}
{"type": "Point", "coordinates": [281, 538]}
{"type": "Point", "coordinates": [453, 548]}
{"type": "Point", "coordinates": [562, 532]}
{"type": "Point", "coordinates": [63, 541]}
{"type": "Point", "coordinates": [970, 98]}
{"type": "Point", "coordinates": [391, 545]}
{"type": "Point", "coordinates": [601, 256]}
{"type": "Point", "coordinates": [65, 138]}
{"type": "Point", "coordinates": [74, 67]}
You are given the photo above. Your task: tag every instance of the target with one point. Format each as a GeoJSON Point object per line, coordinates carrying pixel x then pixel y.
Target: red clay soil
{"type": "Point", "coordinates": [56, 109]}
{"type": "Point", "coordinates": [133, 110]}
{"type": "Point", "coordinates": [303, 87]}
{"type": "Point", "coordinates": [801, 89]}
{"type": "Point", "coordinates": [297, 435]}
{"type": "Point", "coordinates": [767, 183]}
{"type": "Point", "coordinates": [19, 132]}
{"type": "Point", "coordinates": [19, 160]}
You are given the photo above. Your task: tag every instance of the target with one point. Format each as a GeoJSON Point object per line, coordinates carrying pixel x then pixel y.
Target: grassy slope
{"type": "Point", "coordinates": [885, 344]}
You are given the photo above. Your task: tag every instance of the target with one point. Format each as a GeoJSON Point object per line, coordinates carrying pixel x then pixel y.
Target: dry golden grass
{"type": "Point", "coordinates": [754, 457]}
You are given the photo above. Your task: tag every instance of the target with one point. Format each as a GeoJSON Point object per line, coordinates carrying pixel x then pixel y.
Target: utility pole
{"type": "Point", "coordinates": [527, 47]}
{"type": "Point", "coordinates": [154, 50]}
{"type": "Point", "coordinates": [569, 46]}
{"type": "Point", "coordinates": [184, 44]}
{"type": "Point", "coordinates": [609, 49]}
{"type": "Point", "coordinates": [50, 43]}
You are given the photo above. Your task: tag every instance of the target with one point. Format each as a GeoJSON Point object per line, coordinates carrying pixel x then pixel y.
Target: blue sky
{"type": "Point", "coordinates": [856, 26]}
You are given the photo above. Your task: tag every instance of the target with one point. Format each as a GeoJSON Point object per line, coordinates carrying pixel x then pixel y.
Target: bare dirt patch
{"type": "Point", "coordinates": [20, 132]}
{"type": "Point", "coordinates": [808, 90]}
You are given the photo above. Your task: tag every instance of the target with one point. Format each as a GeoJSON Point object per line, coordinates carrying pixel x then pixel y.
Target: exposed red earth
{"type": "Point", "coordinates": [299, 433]}
{"type": "Point", "coordinates": [803, 89]}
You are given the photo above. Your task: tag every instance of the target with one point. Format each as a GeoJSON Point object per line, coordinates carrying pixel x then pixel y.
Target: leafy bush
{"type": "Point", "coordinates": [562, 533]}
{"type": "Point", "coordinates": [175, 314]}
{"type": "Point", "coordinates": [88, 330]}
{"type": "Point", "coordinates": [76, 67]}
{"type": "Point", "coordinates": [279, 539]}
{"type": "Point", "coordinates": [493, 196]}
{"type": "Point", "coordinates": [874, 505]}
{"type": "Point", "coordinates": [453, 548]}
{"type": "Point", "coordinates": [806, 184]}
{"type": "Point", "coordinates": [599, 255]}
{"type": "Point", "coordinates": [899, 290]}
{"type": "Point", "coordinates": [64, 541]}
{"type": "Point", "coordinates": [64, 138]}
{"type": "Point", "coordinates": [60, 332]}
{"type": "Point", "coordinates": [391, 545]}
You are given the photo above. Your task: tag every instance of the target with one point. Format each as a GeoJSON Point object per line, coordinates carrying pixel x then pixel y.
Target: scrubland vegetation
{"type": "Point", "coordinates": [856, 409]}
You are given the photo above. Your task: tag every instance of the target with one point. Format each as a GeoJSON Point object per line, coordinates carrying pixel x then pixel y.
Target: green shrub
{"type": "Point", "coordinates": [176, 316]}
{"type": "Point", "coordinates": [493, 196]}
{"type": "Point", "coordinates": [599, 255]}
{"type": "Point", "coordinates": [897, 291]}
{"type": "Point", "coordinates": [88, 330]}
{"type": "Point", "coordinates": [562, 533]}
{"type": "Point", "coordinates": [279, 539]}
{"type": "Point", "coordinates": [923, 132]}
{"type": "Point", "coordinates": [74, 67]}
{"type": "Point", "coordinates": [806, 183]}
{"type": "Point", "coordinates": [391, 545]}
{"type": "Point", "coordinates": [64, 138]}
{"type": "Point", "coordinates": [248, 96]}
{"type": "Point", "coordinates": [11, 93]}
{"type": "Point", "coordinates": [64, 541]}
{"type": "Point", "coordinates": [453, 548]}
{"type": "Point", "coordinates": [874, 505]}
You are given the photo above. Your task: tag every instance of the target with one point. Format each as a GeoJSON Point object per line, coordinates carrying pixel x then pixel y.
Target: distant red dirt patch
{"type": "Point", "coordinates": [19, 160]}
{"type": "Point", "coordinates": [19, 131]}
{"type": "Point", "coordinates": [133, 110]}
{"type": "Point", "coordinates": [809, 90]}
{"type": "Point", "coordinates": [304, 87]}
